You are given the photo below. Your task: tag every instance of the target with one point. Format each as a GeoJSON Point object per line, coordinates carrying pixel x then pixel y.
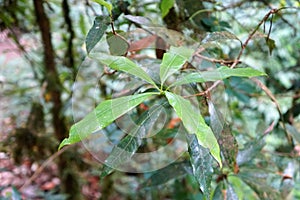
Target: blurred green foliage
{"type": "Point", "coordinates": [259, 160]}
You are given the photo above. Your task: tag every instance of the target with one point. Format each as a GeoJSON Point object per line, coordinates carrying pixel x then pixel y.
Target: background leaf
{"type": "Point", "coordinates": [250, 150]}
{"type": "Point", "coordinates": [218, 74]}
{"type": "Point", "coordinates": [220, 36]}
{"type": "Point", "coordinates": [118, 46]}
{"type": "Point", "coordinates": [103, 115]}
{"type": "Point", "coordinates": [222, 131]}
{"type": "Point", "coordinates": [139, 20]}
{"type": "Point", "coordinates": [201, 162]}
{"type": "Point", "coordinates": [96, 32]}
{"type": "Point", "coordinates": [195, 124]}
{"type": "Point", "coordinates": [293, 132]}
{"type": "Point", "coordinates": [107, 5]}
{"type": "Point", "coordinates": [230, 193]}
{"type": "Point", "coordinates": [271, 44]}
{"type": "Point", "coordinates": [124, 64]}
{"type": "Point", "coordinates": [257, 180]}
{"type": "Point", "coordinates": [166, 174]}
{"type": "Point", "coordinates": [122, 153]}
{"type": "Point", "coordinates": [165, 6]}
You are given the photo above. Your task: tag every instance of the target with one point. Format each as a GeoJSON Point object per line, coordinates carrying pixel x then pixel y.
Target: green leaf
{"type": "Point", "coordinates": [221, 193]}
{"type": "Point", "coordinates": [173, 61]}
{"type": "Point", "coordinates": [257, 180]}
{"type": "Point", "coordinates": [107, 5]}
{"type": "Point", "coordinates": [250, 150]}
{"type": "Point", "coordinates": [201, 162]}
{"type": "Point", "coordinates": [227, 141]}
{"type": "Point", "coordinates": [271, 44]}
{"type": "Point", "coordinates": [96, 32]}
{"type": "Point", "coordinates": [103, 115]}
{"type": "Point", "coordinates": [218, 74]}
{"type": "Point", "coordinates": [195, 124]}
{"type": "Point", "coordinates": [293, 132]}
{"type": "Point", "coordinates": [166, 174]}
{"type": "Point", "coordinates": [230, 193]}
{"type": "Point", "coordinates": [124, 64]}
{"type": "Point", "coordinates": [218, 193]}
{"type": "Point", "coordinates": [165, 7]}
{"type": "Point", "coordinates": [122, 153]}
{"type": "Point", "coordinates": [243, 191]}
{"type": "Point", "coordinates": [118, 46]}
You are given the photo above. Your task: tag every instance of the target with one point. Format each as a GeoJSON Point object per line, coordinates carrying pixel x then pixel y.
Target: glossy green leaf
{"type": "Point", "coordinates": [230, 193]}
{"type": "Point", "coordinates": [201, 161]}
{"type": "Point", "coordinates": [124, 64]}
{"type": "Point", "coordinates": [166, 174]}
{"type": "Point", "coordinates": [173, 61]}
{"type": "Point", "coordinates": [218, 74]}
{"type": "Point", "coordinates": [103, 115]}
{"type": "Point", "coordinates": [228, 143]}
{"type": "Point", "coordinates": [107, 5]}
{"type": "Point", "coordinates": [118, 46]}
{"type": "Point", "coordinates": [218, 192]}
{"type": "Point", "coordinates": [257, 180]}
{"type": "Point", "coordinates": [122, 153]}
{"type": "Point", "coordinates": [293, 132]}
{"type": "Point", "coordinates": [96, 32]}
{"type": "Point", "coordinates": [165, 7]}
{"type": "Point", "coordinates": [225, 191]}
{"type": "Point", "coordinates": [242, 190]}
{"type": "Point", "coordinates": [195, 124]}
{"type": "Point", "coordinates": [250, 150]}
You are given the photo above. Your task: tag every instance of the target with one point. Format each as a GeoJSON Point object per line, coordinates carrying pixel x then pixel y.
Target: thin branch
{"type": "Point", "coordinates": [272, 97]}
{"type": "Point", "coordinates": [244, 45]}
{"type": "Point", "coordinates": [220, 61]}
{"type": "Point", "coordinates": [43, 166]}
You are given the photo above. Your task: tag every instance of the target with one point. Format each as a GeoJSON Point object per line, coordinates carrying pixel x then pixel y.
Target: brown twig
{"type": "Point", "coordinates": [244, 45]}
{"type": "Point", "coordinates": [43, 166]}
{"type": "Point", "coordinates": [272, 97]}
{"type": "Point", "coordinates": [213, 60]}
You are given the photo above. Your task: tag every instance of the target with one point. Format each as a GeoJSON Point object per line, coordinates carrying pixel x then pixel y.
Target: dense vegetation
{"type": "Point", "coordinates": [171, 99]}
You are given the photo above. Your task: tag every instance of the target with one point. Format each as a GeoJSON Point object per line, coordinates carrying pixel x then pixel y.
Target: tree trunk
{"type": "Point", "coordinates": [68, 176]}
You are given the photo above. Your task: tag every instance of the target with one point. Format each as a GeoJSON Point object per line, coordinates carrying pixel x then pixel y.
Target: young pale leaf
{"type": "Point", "coordinates": [107, 5]}
{"type": "Point", "coordinates": [201, 162]}
{"type": "Point", "coordinates": [123, 152]}
{"type": "Point", "coordinates": [166, 174]}
{"type": "Point", "coordinates": [165, 7]}
{"type": "Point", "coordinates": [218, 74]}
{"type": "Point", "coordinates": [124, 64]}
{"type": "Point", "coordinates": [195, 124]}
{"type": "Point", "coordinates": [96, 32]}
{"type": "Point", "coordinates": [173, 61]}
{"type": "Point", "coordinates": [103, 115]}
